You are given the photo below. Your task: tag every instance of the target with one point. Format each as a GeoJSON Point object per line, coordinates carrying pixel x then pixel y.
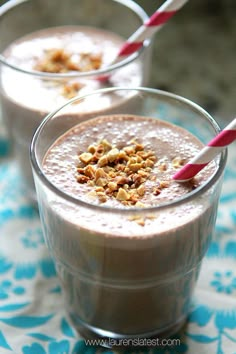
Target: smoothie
{"type": "Point", "coordinates": [127, 268]}
{"type": "Point", "coordinates": [63, 51]}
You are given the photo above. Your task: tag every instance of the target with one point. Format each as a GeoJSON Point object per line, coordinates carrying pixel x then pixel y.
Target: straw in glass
{"type": "Point", "coordinates": [151, 26]}
{"type": "Point", "coordinates": [208, 153]}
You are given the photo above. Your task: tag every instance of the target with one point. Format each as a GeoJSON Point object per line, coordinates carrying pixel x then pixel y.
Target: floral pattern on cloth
{"type": "Point", "coordinates": [32, 319]}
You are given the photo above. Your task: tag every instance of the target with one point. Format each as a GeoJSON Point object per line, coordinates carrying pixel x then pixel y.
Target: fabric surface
{"type": "Point", "coordinates": [32, 319]}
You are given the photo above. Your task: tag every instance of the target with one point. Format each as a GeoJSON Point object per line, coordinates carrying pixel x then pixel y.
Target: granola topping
{"type": "Point", "coordinates": [118, 173]}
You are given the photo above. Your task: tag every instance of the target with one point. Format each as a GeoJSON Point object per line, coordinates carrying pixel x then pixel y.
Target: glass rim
{"type": "Point", "coordinates": [133, 6]}
{"type": "Point", "coordinates": [131, 210]}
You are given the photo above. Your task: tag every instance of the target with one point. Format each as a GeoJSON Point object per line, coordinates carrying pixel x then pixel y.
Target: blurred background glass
{"type": "Point", "coordinates": [194, 54]}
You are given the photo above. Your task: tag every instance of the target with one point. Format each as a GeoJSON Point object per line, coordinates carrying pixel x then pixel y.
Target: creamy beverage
{"type": "Point", "coordinates": [128, 260]}
{"type": "Point", "coordinates": [73, 54]}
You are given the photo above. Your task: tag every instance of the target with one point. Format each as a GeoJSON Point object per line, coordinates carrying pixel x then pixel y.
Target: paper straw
{"type": "Point", "coordinates": [208, 153]}
{"type": "Point", "coordinates": [151, 26]}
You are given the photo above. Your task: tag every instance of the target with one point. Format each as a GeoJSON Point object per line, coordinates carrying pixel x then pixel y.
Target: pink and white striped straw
{"type": "Point", "coordinates": [208, 153]}
{"type": "Point", "coordinates": [151, 26]}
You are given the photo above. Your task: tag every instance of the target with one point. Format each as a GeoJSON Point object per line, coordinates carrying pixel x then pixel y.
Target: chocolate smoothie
{"type": "Point", "coordinates": [128, 254]}
{"type": "Point", "coordinates": [73, 50]}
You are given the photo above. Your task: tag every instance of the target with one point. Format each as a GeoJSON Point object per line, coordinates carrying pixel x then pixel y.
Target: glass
{"type": "Point", "coordinates": [117, 285]}
{"type": "Point", "coordinates": [27, 96]}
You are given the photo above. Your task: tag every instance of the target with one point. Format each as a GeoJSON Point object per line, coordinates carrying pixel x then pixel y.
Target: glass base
{"type": "Point", "coordinates": [110, 340]}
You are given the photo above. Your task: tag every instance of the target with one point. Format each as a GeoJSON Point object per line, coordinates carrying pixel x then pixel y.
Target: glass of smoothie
{"type": "Point", "coordinates": [51, 51]}
{"type": "Point", "coordinates": [127, 240]}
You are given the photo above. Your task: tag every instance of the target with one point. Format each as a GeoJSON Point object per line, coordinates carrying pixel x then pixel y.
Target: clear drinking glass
{"type": "Point", "coordinates": [27, 96]}
{"type": "Point", "coordinates": [120, 283]}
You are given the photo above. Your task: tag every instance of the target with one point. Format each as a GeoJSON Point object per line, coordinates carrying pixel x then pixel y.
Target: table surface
{"type": "Point", "coordinates": [32, 319]}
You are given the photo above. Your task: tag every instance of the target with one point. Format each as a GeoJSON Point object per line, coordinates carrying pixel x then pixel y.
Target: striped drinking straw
{"type": "Point", "coordinates": [208, 153]}
{"type": "Point", "coordinates": [151, 26]}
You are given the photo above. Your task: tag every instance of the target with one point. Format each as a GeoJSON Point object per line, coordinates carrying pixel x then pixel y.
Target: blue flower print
{"type": "Point", "coordinates": [30, 255]}
{"type": "Point", "coordinates": [5, 265]}
{"type": "Point", "coordinates": [10, 176]}
{"type": "Point", "coordinates": [224, 321]}
{"type": "Point", "coordinates": [224, 282]}
{"type": "Point", "coordinates": [62, 347]}
{"type": "Point", "coordinates": [33, 238]}
{"type": "Point", "coordinates": [6, 288]}
{"type": "Point", "coordinates": [34, 348]}
{"type": "Point", "coordinates": [201, 315]}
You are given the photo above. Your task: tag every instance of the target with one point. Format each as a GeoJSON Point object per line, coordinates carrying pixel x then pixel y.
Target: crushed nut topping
{"type": "Point", "coordinates": [178, 162]}
{"type": "Point", "coordinates": [59, 61]}
{"type": "Point", "coordinates": [71, 89]}
{"type": "Point", "coordinates": [117, 173]}
{"type": "Point", "coordinates": [141, 220]}
{"type": "Point", "coordinates": [120, 173]}
{"type": "Point", "coordinates": [164, 184]}
{"type": "Point", "coordinates": [162, 166]}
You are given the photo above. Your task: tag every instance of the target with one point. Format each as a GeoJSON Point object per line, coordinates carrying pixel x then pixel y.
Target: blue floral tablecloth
{"type": "Point", "coordinates": [32, 319]}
